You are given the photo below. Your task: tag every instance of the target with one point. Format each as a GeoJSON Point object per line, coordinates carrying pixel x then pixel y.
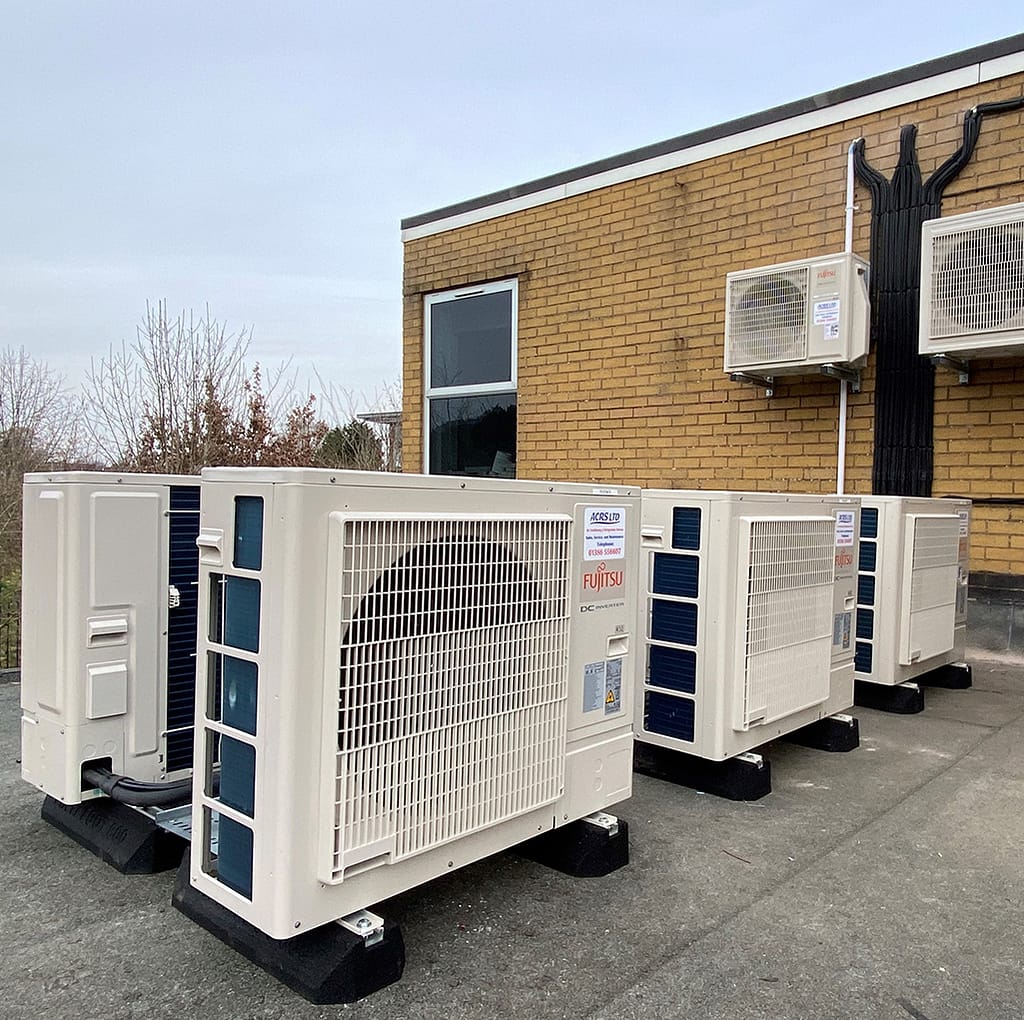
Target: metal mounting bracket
{"type": "Point", "coordinates": [956, 364]}
{"type": "Point", "coordinates": [604, 821]}
{"type": "Point", "coordinates": [845, 373]}
{"type": "Point", "coordinates": [767, 381]}
{"type": "Point", "coordinates": [369, 926]}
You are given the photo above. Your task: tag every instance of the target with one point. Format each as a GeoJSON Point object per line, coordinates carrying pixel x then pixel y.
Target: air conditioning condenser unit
{"type": "Point", "coordinates": [400, 675]}
{"type": "Point", "coordinates": [109, 574]}
{"type": "Point", "coordinates": [972, 284]}
{"type": "Point", "coordinates": [911, 590]}
{"type": "Point", "coordinates": [748, 617]}
{"type": "Point", "coordinates": [794, 317]}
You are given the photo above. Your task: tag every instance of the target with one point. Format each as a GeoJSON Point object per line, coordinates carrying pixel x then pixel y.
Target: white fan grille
{"type": "Point", "coordinates": [977, 280]}
{"type": "Point", "coordinates": [453, 688]}
{"type": "Point", "coordinates": [790, 580]}
{"type": "Point", "coordinates": [768, 318]}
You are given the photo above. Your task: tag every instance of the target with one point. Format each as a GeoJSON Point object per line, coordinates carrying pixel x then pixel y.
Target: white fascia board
{"type": "Point", "coordinates": [911, 92]}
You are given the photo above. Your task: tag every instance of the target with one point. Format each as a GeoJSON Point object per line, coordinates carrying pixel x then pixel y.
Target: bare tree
{"type": "Point", "coordinates": [368, 433]}
{"type": "Point", "coordinates": [149, 403]}
{"type": "Point", "coordinates": [181, 398]}
{"type": "Point", "coordinates": [38, 430]}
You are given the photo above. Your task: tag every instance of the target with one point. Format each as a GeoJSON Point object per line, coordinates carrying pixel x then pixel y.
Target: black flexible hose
{"type": "Point", "coordinates": [137, 793]}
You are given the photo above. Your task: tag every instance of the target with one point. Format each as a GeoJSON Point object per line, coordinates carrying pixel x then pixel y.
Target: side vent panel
{"type": "Point", "coordinates": [786, 627]}
{"type": "Point", "coordinates": [929, 607]}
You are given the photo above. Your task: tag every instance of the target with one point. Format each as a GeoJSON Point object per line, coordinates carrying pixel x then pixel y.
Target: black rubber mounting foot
{"type": "Point", "coordinates": [326, 966]}
{"type": "Point", "coordinates": [833, 733]}
{"type": "Point", "coordinates": [126, 839]}
{"type": "Point", "coordinates": [901, 699]}
{"type": "Point", "coordinates": [954, 676]}
{"type": "Point", "coordinates": [738, 778]}
{"type": "Point", "coordinates": [582, 849]}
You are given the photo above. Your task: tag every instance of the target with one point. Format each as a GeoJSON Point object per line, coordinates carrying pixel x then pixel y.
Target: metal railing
{"type": "Point", "coordinates": [10, 624]}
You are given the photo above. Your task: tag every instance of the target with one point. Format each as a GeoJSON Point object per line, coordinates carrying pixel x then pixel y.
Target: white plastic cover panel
{"type": "Point", "coordinates": [976, 279]}
{"type": "Point", "coordinates": [768, 318]}
{"type": "Point", "coordinates": [453, 687]}
{"type": "Point", "coordinates": [929, 608]}
{"type": "Point", "coordinates": [788, 616]}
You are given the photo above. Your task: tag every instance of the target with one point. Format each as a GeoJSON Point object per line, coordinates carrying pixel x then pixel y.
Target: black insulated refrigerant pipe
{"type": "Point", "coordinates": [137, 793]}
{"type": "Point", "coordinates": [905, 382]}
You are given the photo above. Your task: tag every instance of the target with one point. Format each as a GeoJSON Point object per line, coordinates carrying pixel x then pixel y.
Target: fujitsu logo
{"type": "Point", "coordinates": [826, 274]}
{"type": "Point", "coordinates": [602, 578]}
{"type": "Point", "coordinates": [844, 559]}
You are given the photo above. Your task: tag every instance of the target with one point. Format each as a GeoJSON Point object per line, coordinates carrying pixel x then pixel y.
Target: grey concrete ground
{"type": "Point", "coordinates": [883, 883]}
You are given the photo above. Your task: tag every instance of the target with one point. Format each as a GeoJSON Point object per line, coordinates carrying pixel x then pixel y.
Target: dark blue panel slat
{"type": "Point", "coordinates": [238, 775]}
{"type": "Point", "coordinates": [862, 659]}
{"type": "Point", "coordinates": [234, 856]}
{"type": "Point", "coordinates": [240, 688]}
{"type": "Point", "coordinates": [672, 668]}
{"type": "Point", "coordinates": [686, 527]}
{"type": "Point", "coordinates": [676, 575]}
{"type": "Point", "coordinates": [865, 623]}
{"type": "Point", "coordinates": [869, 522]}
{"type": "Point", "coordinates": [865, 590]}
{"type": "Point", "coordinates": [674, 621]}
{"type": "Point", "coordinates": [671, 717]}
{"type": "Point", "coordinates": [242, 613]}
{"type": "Point", "coordinates": [868, 556]}
{"type": "Point", "coordinates": [249, 532]}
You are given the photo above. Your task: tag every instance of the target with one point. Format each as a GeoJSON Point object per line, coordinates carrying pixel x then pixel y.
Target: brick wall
{"type": "Point", "coordinates": [622, 309]}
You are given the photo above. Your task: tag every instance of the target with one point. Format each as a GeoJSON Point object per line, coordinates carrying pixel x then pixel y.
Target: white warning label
{"type": "Point", "coordinates": [604, 533]}
{"type": "Point", "coordinates": [602, 686]}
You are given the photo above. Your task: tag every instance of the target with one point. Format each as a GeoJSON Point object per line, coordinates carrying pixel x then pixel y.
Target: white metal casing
{"type": "Point", "coordinates": [96, 564]}
{"type": "Point", "coordinates": [747, 616]}
{"type": "Point", "coordinates": [792, 317]}
{"type": "Point", "coordinates": [912, 586]}
{"type": "Point", "coordinates": [371, 759]}
{"type": "Point", "coordinates": [972, 283]}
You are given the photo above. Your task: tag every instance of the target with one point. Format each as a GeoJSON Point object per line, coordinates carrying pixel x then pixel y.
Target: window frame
{"type": "Point", "coordinates": [511, 385]}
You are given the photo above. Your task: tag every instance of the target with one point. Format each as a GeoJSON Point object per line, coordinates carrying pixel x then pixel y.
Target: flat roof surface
{"type": "Point", "coordinates": [880, 883]}
{"type": "Point", "coordinates": [823, 100]}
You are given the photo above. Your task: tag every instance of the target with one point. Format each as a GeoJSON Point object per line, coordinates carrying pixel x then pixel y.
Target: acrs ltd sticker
{"type": "Point", "coordinates": [826, 312]}
{"type": "Point", "coordinates": [602, 686]}
{"type": "Point", "coordinates": [604, 533]}
{"type": "Point", "coordinates": [846, 530]}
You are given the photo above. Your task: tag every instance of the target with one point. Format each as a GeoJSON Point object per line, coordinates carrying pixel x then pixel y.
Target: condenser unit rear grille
{"type": "Point", "coordinates": [977, 280]}
{"type": "Point", "coordinates": [768, 318]}
{"type": "Point", "coordinates": [183, 577]}
{"type": "Point", "coordinates": [453, 686]}
{"type": "Point", "coordinates": [788, 618]}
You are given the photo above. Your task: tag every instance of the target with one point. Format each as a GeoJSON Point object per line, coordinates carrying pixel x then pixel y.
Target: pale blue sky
{"type": "Point", "coordinates": [259, 156]}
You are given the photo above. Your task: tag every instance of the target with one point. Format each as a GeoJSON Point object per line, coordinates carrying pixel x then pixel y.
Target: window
{"type": "Point", "coordinates": [470, 372]}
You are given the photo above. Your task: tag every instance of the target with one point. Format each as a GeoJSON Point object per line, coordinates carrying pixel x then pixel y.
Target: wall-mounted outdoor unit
{"type": "Point", "coordinates": [109, 592]}
{"type": "Point", "coordinates": [401, 675]}
{"type": "Point", "coordinates": [748, 617]}
{"type": "Point", "coordinates": [912, 586]}
{"type": "Point", "coordinates": [794, 317]}
{"type": "Point", "coordinates": [972, 283]}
